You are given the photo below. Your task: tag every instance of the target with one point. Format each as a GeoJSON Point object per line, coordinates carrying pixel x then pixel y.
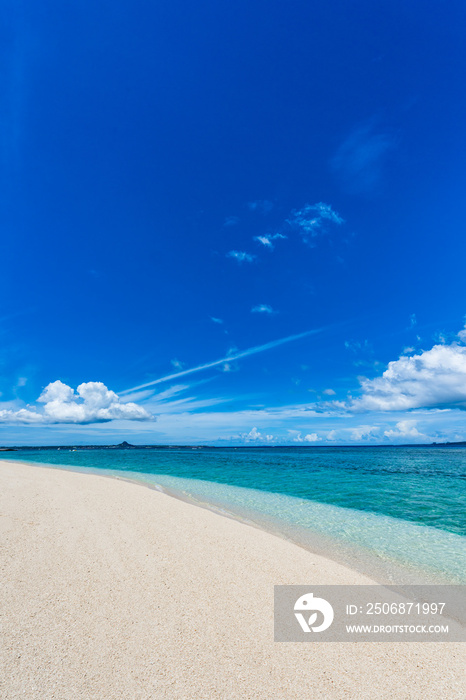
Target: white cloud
{"type": "Point", "coordinates": [412, 320]}
{"type": "Point", "coordinates": [57, 391]}
{"type": "Point", "coordinates": [202, 420]}
{"type": "Point", "coordinates": [325, 211]}
{"type": "Point", "coordinates": [313, 220]}
{"type": "Point", "coordinates": [434, 378]}
{"type": "Point", "coordinates": [216, 320]}
{"type": "Point", "coordinates": [262, 309]}
{"type": "Point", "coordinates": [93, 403]}
{"type": "Point", "coordinates": [265, 240]}
{"type": "Point", "coordinates": [364, 432]}
{"type": "Point", "coordinates": [329, 392]}
{"type": "Point", "coordinates": [255, 436]}
{"type": "Point", "coordinates": [240, 256]}
{"type": "Point", "coordinates": [268, 240]}
{"type": "Point", "coordinates": [177, 364]}
{"type": "Point", "coordinates": [23, 416]}
{"type": "Point", "coordinates": [310, 437]}
{"type": "Point", "coordinates": [405, 429]}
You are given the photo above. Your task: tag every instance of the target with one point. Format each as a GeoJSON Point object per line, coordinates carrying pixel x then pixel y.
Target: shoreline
{"type": "Point", "coordinates": [112, 591]}
{"type": "Point", "coordinates": [384, 571]}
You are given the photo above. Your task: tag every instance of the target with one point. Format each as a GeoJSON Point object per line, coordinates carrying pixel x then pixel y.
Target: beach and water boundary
{"type": "Point", "coordinates": [115, 591]}
{"type": "Point", "coordinates": [395, 514]}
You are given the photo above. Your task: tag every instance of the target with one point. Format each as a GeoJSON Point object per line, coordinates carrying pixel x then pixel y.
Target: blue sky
{"type": "Point", "coordinates": [232, 223]}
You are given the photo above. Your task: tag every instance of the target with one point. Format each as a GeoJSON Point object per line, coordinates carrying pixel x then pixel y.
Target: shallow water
{"type": "Point", "coordinates": [396, 513]}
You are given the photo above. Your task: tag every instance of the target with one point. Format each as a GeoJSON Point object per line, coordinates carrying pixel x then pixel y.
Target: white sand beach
{"type": "Point", "coordinates": [112, 590]}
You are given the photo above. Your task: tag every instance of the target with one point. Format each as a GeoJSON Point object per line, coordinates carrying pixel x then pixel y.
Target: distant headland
{"type": "Point", "coordinates": [128, 446]}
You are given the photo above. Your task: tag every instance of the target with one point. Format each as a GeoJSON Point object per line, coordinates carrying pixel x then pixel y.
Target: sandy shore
{"type": "Point", "coordinates": [112, 590]}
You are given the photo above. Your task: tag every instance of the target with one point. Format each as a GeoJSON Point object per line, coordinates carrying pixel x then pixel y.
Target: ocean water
{"type": "Point", "coordinates": [398, 514]}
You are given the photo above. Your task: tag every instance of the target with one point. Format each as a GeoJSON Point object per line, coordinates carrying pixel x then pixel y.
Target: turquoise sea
{"type": "Point", "coordinates": [397, 513]}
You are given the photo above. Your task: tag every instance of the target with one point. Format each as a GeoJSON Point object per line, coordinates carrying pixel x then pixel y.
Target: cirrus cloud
{"type": "Point", "coordinates": [360, 161]}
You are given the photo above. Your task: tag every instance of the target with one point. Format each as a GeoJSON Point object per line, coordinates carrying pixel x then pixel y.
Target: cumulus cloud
{"type": "Point", "coordinates": [329, 392]}
{"type": "Point", "coordinates": [364, 432]}
{"type": "Point", "coordinates": [255, 436]}
{"type": "Point", "coordinates": [92, 403]}
{"type": "Point", "coordinates": [434, 378]}
{"type": "Point", "coordinates": [23, 416]}
{"type": "Point", "coordinates": [240, 256]}
{"type": "Point", "coordinates": [405, 429]}
{"type": "Point", "coordinates": [314, 220]}
{"type": "Point", "coordinates": [310, 437]}
{"type": "Point", "coordinates": [262, 309]}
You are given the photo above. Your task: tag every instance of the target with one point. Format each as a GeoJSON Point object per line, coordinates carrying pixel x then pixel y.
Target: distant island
{"type": "Point", "coordinates": [128, 446]}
